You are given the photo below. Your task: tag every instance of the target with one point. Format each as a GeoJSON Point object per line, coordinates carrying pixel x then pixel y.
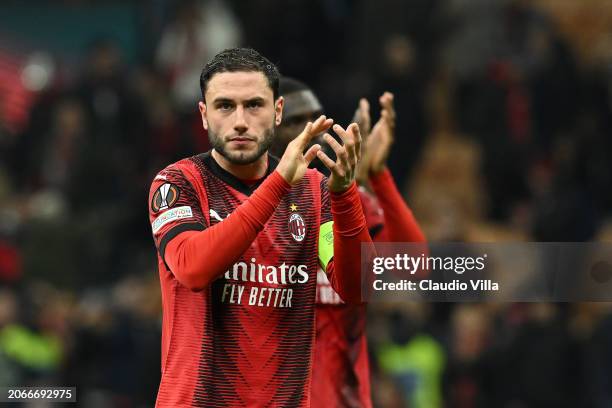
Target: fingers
{"type": "Point", "coordinates": [344, 136]}
{"type": "Point", "coordinates": [386, 100]}
{"type": "Point", "coordinates": [312, 129]}
{"type": "Point", "coordinates": [362, 117]}
{"type": "Point", "coordinates": [330, 164]}
{"type": "Point", "coordinates": [348, 141]}
{"type": "Point", "coordinates": [378, 126]}
{"type": "Point", "coordinates": [351, 137]}
{"type": "Point", "coordinates": [349, 145]}
{"type": "Point", "coordinates": [352, 141]}
{"type": "Point", "coordinates": [386, 103]}
{"type": "Point", "coordinates": [385, 118]}
{"type": "Point", "coordinates": [378, 135]}
{"type": "Point", "coordinates": [364, 105]}
{"type": "Point", "coordinates": [388, 127]}
{"type": "Point", "coordinates": [341, 152]}
{"type": "Point", "coordinates": [325, 124]}
{"type": "Point", "coordinates": [357, 139]}
{"type": "Point", "coordinates": [311, 153]}
{"type": "Point", "coordinates": [362, 113]}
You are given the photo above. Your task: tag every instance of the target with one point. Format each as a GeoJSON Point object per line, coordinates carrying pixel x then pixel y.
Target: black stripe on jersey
{"type": "Point", "coordinates": [173, 232]}
{"type": "Point", "coordinates": [231, 180]}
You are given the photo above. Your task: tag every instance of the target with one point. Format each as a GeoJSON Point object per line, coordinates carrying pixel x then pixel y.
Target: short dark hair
{"type": "Point", "coordinates": [240, 59]}
{"type": "Point", "coordinates": [289, 85]}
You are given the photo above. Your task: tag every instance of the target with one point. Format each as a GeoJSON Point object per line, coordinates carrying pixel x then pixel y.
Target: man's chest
{"type": "Point", "coordinates": [278, 269]}
{"type": "Point", "coordinates": [292, 229]}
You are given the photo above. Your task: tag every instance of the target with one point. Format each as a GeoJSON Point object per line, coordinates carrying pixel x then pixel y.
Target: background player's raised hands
{"type": "Point", "coordinates": [293, 164]}
{"type": "Point", "coordinates": [381, 137]}
{"type": "Point", "coordinates": [364, 121]}
{"type": "Point", "coordinates": [344, 169]}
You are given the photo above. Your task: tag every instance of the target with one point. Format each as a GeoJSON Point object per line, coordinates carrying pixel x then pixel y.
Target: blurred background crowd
{"type": "Point", "coordinates": [503, 134]}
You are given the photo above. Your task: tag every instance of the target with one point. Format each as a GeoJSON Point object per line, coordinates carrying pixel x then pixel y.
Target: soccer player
{"type": "Point", "coordinates": [240, 237]}
{"type": "Point", "coordinates": [340, 370]}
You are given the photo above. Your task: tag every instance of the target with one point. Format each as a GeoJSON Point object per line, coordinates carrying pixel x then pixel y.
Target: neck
{"type": "Point", "coordinates": [253, 171]}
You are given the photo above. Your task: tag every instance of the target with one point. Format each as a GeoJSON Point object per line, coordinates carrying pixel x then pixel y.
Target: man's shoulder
{"type": "Point", "coordinates": [186, 162]}
{"type": "Point", "coordinates": [182, 168]}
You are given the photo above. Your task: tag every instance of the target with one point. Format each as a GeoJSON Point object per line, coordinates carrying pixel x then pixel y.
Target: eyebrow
{"type": "Point", "coordinates": [222, 99]}
{"type": "Point", "coordinates": [257, 99]}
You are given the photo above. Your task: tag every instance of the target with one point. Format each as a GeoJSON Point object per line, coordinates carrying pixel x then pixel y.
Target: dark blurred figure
{"type": "Point", "coordinates": [563, 208]}
{"type": "Point", "coordinates": [115, 335]}
{"type": "Point", "coordinates": [528, 98]}
{"type": "Point", "coordinates": [61, 150]}
{"type": "Point", "coordinates": [103, 91]}
{"type": "Point", "coordinates": [397, 46]}
{"type": "Point", "coordinates": [526, 357]}
{"type": "Point", "coordinates": [400, 72]}
{"type": "Point", "coordinates": [598, 359]}
{"type": "Point", "coordinates": [469, 366]}
{"type": "Point", "coordinates": [198, 30]}
{"type": "Point", "coordinates": [541, 361]}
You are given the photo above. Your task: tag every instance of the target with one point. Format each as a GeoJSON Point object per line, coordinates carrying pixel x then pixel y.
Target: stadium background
{"type": "Point", "coordinates": [504, 134]}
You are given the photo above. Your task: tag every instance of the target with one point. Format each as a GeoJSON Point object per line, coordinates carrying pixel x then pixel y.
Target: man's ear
{"type": "Point", "coordinates": [202, 107]}
{"type": "Point", "coordinates": [278, 110]}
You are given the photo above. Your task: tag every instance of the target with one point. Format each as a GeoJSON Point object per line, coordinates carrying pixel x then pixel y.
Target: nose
{"type": "Point", "coordinates": [240, 124]}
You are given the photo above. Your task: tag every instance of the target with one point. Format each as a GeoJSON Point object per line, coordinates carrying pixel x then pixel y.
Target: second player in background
{"type": "Point", "coordinates": [341, 374]}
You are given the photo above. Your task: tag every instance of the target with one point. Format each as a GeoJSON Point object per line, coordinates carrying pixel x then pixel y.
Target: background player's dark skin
{"type": "Point", "coordinates": [300, 108]}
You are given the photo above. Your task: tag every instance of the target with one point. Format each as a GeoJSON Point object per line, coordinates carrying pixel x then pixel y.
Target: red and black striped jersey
{"type": "Point", "coordinates": [247, 338]}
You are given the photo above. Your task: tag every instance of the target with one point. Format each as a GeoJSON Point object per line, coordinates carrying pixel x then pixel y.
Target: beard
{"type": "Point", "coordinates": [241, 157]}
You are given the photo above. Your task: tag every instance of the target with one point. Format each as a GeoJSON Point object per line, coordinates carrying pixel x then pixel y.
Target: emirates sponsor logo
{"type": "Point", "coordinates": [238, 293]}
{"type": "Point", "coordinates": [278, 275]}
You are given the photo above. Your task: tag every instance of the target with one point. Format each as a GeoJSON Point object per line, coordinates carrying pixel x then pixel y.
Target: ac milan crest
{"type": "Point", "coordinates": [297, 227]}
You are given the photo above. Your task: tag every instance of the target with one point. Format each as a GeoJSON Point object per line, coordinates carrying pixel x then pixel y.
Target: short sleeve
{"type": "Point", "coordinates": [174, 207]}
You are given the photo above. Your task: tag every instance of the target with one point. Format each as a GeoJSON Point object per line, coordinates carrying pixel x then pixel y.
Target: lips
{"type": "Point", "coordinates": [241, 142]}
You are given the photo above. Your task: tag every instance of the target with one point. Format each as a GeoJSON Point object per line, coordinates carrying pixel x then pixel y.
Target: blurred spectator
{"type": "Point", "coordinates": [469, 367]}
{"type": "Point", "coordinates": [199, 30]}
{"type": "Point", "coordinates": [400, 71]}
{"type": "Point", "coordinates": [412, 358]}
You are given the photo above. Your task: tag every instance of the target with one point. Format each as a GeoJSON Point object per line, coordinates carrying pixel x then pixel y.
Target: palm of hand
{"type": "Point", "coordinates": [379, 144]}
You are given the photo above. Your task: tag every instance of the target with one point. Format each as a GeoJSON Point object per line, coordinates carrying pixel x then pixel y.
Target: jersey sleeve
{"type": "Point", "coordinates": [349, 233]}
{"type": "Point", "coordinates": [373, 212]}
{"type": "Point", "coordinates": [174, 207]}
{"type": "Point", "coordinates": [400, 224]}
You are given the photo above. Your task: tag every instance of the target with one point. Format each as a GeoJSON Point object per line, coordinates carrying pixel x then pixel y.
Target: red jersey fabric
{"type": "Point", "coordinates": [399, 222]}
{"type": "Point", "coordinates": [239, 331]}
{"type": "Point", "coordinates": [341, 373]}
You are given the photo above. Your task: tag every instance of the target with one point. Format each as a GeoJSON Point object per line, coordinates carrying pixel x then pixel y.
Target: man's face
{"type": "Point", "coordinates": [300, 108]}
{"type": "Point", "coordinates": [240, 115]}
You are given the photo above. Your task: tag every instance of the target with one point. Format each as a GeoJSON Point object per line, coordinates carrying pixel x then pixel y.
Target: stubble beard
{"type": "Point", "coordinates": [241, 157]}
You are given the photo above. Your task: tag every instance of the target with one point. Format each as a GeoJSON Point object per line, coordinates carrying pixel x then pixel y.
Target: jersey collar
{"type": "Point", "coordinates": [232, 180]}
